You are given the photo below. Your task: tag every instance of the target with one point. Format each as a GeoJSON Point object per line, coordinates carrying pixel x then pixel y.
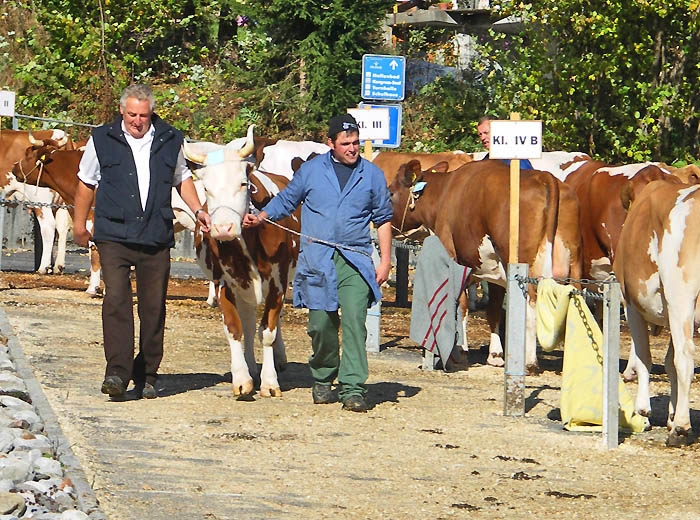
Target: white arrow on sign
{"type": "Point", "coordinates": [373, 123]}
{"type": "Point", "coordinates": [393, 64]}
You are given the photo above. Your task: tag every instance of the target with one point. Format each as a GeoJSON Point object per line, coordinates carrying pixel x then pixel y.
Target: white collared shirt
{"type": "Point", "coordinates": [89, 171]}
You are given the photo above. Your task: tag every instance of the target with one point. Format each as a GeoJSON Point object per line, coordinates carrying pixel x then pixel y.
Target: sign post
{"type": "Point", "coordinates": [514, 140]}
{"type": "Point", "coordinates": [7, 104]}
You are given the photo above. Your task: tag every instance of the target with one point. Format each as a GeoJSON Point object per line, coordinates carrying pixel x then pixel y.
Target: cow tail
{"type": "Point", "coordinates": [552, 221]}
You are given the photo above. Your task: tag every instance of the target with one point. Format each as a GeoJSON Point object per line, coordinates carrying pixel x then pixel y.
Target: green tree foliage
{"type": "Point", "coordinates": [314, 46]}
{"type": "Point", "coordinates": [616, 79]}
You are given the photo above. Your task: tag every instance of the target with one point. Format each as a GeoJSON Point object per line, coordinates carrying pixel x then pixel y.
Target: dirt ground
{"type": "Point", "coordinates": [436, 445]}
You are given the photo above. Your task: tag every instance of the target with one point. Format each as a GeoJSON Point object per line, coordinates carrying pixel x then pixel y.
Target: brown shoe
{"type": "Point", "coordinates": [113, 386]}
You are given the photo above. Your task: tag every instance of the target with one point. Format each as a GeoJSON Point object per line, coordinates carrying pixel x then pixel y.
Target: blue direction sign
{"type": "Point", "coordinates": [383, 77]}
{"type": "Point", "coordinates": [395, 123]}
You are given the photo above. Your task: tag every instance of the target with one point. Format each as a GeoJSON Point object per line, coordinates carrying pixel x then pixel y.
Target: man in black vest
{"type": "Point", "coordinates": [137, 160]}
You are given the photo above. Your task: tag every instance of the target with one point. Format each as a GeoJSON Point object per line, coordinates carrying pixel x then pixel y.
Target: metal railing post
{"type": "Point", "coordinates": [514, 374]}
{"type": "Point", "coordinates": [611, 374]}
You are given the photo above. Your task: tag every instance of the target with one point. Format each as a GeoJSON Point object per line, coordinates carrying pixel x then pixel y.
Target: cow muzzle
{"type": "Point", "coordinates": [226, 223]}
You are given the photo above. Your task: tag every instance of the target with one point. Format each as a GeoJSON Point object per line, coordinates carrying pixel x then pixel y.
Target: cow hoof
{"type": "Point", "coordinates": [495, 360]}
{"type": "Point", "coordinates": [212, 303]}
{"type": "Point", "coordinates": [270, 391]}
{"type": "Point", "coordinates": [59, 269]}
{"type": "Point", "coordinates": [678, 438]}
{"type": "Point", "coordinates": [533, 370]}
{"type": "Point", "coordinates": [94, 292]}
{"type": "Point", "coordinates": [243, 389]}
{"type": "Point", "coordinates": [629, 378]}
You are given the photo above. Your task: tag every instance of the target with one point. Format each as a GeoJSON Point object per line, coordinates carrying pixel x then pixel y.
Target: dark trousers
{"type": "Point", "coordinates": [152, 270]}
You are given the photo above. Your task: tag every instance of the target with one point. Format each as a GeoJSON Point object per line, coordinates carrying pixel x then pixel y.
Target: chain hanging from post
{"type": "Point", "coordinates": [524, 281]}
{"type": "Point", "coordinates": [31, 205]}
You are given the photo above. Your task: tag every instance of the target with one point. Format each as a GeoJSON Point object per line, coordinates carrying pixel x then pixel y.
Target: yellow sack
{"type": "Point", "coordinates": [582, 374]}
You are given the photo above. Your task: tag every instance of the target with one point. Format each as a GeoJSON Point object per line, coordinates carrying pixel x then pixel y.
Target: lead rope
{"type": "Point", "coordinates": [410, 202]}
{"type": "Point", "coordinates": [318, 240]}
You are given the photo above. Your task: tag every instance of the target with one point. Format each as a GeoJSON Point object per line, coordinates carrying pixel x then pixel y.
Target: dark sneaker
{"type": "Point", "coordinates": [356, 403]}
{"type": "Point", "coordinates": [113, 386]}
{"type": "Point", "coordinates": [322, 394]}
{"type": "Point", "coordinates": [145, 391]}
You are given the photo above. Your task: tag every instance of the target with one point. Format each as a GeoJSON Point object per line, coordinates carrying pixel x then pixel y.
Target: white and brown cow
{"type": "Point", "coordinates": [465, 209]}
{"type": "Point", "coordinates": [252, 266]}
{"type": "Point", "coordinates": [656, 264]}
{"type": "Point", "coordinates": [51, 167]}
{"type": "Point", "coordinates": [13, 144]}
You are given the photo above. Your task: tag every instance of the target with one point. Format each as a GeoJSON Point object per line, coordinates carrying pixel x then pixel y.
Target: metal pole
{"type": "Point", "coordinates": [428, 360]}
{"type": "Point", "coordinates": [401, 276]}
{"type": "Point", "coordinates": [373, 319]}
{"type": "Point", "coordinates": [516, 309]}
{"type": "Point", "coordinates": [3, 210]}
{"type": "Point", "coordinates": [611, 375]}
{"type": "Point", "coordinates": [38, 241]}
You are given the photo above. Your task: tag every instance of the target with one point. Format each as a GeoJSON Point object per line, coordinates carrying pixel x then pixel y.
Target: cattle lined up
{"type": "Point", "coordinates": [576, 222]}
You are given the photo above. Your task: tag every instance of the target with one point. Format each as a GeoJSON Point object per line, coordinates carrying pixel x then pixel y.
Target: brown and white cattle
{"type": "Point", "coordinates": [656, 264]}
{"type": "Point", "coordinates": [390, 162]}
{"type": "Point", "coordinates": [13, 144]}
{"type": "Point", "coordinates": [252, 266]}
{"type": "Point", "coordinates": [598, 186]}
{"type": "Point", "coordinates": [46, 165]}
{"type": "Point", "coordinates": [278, 156]}
{"type": "Point", "coordinates": [465, 209]}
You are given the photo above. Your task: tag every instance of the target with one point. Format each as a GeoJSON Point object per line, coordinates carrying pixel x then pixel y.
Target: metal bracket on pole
{"type": "Point", "coordinates": [611, 374]}
{"type": "Point", "coordinates": [516, 309]}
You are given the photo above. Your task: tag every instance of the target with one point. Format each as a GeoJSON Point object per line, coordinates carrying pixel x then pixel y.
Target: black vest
{"type": "Point", "coordinates": [119, 216]}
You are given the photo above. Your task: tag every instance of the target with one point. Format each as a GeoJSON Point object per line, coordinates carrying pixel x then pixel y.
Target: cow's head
{"type": "Point", "coordinates": [403, 194]}
{"type": "Point", "coordinates": [59, 139]}
{"type": "Point", "coordinates": [225, 178]}
{"type": "Point", "coordinates": [36, 156]}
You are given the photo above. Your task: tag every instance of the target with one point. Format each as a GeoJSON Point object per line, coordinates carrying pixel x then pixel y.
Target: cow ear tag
{"type": "Point", "coordinates": [215, 157]}
{"type": "Point", "coordinates": [419, 187]}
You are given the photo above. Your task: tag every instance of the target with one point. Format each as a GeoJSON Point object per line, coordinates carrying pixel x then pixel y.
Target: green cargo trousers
{"type": "Point", "coordinates": [326, 363]}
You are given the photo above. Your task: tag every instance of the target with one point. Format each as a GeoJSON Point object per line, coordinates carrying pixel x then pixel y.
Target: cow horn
{"type": "Point", "coordinates": [62, 141]}
{"type": "Point", "coordinates": [249, 145]}
{"type": "Point", "coordinates": [34, 141]}
{"type": "Point", "coordinates": [190, 155]}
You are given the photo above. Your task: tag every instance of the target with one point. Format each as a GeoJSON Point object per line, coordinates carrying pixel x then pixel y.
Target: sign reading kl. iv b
{"type": "Point", "coordinates": [383, 77]}
{"type": "Point", "coordinates": [373, 122]}
{"type": "Point", "coordinates": [516, 140]}
{"type": "Point", "coordinates": [7, 103]}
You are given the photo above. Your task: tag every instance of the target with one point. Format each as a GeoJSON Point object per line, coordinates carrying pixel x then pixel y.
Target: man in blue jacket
{"type": "Point", "coordinates": [342, 193]}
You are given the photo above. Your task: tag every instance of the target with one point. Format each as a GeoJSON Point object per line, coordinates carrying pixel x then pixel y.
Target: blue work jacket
{"type": "Point", "coordinates": [338, 217]}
